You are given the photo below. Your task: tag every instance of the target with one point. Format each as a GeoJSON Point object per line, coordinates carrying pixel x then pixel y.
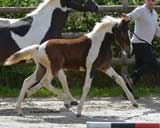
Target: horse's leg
{"type": "Point", "coordinates": [34, 89]}
{"type": "Point", "coordinates": [28, 82]}
{"type": "Point", "coordinates": [62, 77]}
{"type": "Point", "coordinates": [86, 88]}
{"type": "Point", "coordinates": [110, 72]}
{"type": "Point", "coordinates": [40, 74]}
{"type": "Point", "coordinates": [70, 100]}
{"type": "Point", "coordinates": [46, 82]}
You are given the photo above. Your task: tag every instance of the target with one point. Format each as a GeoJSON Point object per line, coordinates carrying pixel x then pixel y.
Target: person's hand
{"type": "Point", "coordinates": [125, 17]}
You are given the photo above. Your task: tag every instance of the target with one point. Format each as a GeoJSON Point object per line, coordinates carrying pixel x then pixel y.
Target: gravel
{"type": "Point", "coordinates": [50, 112]}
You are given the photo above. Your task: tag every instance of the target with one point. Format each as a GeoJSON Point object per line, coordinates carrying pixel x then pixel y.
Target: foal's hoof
{"type": "Point", "coordinates": [67, 106]}
{"type": "Point", "coordinates": [20, 114]}
{"type": "Point", "coordinates": [74, 103]}
{"type": "Point", "coordinates": [135, 105]}
{"type": "Point", "coordinates": [19, 111]}
{"type": "Point", "coordinates": [78, 115]}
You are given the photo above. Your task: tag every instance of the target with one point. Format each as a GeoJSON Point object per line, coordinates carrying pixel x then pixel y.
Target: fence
{"type": "Point", "coordinates": [125, 7]}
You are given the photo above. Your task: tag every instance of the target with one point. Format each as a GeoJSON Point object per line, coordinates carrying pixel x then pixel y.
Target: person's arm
{"type": "Point", "coordinates": [135, 14]}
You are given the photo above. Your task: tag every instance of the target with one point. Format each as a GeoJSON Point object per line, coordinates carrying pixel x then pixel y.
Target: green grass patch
{"type": "Point", "coordinates": [102, 86]}
{"type": "Point", "coordinates": [76, 90]}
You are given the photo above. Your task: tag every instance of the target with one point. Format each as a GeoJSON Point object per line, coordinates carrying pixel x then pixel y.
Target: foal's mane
{"type": "Point", "coordinates": [40, 7]}
{"type": "Point", "coordinates": [106, 23]}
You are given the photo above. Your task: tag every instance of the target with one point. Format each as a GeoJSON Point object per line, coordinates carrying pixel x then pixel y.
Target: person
{"type": "Point", "coordinates": [146, 27]}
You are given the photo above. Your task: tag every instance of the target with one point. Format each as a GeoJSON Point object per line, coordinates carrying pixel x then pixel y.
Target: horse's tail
{"type": "Point", "coordinates": [23, 54]}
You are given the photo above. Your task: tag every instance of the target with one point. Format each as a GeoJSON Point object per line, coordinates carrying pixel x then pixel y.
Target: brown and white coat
{"type": "Point", "coordinates": [91, 52]}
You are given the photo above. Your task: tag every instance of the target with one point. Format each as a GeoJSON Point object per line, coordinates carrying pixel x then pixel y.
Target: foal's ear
{"type": "Point", "coordinates": [115, 28]}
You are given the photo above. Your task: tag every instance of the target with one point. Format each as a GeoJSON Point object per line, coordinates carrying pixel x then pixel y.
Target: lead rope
{"type": "Point", "coordinates": [133, 33]}
{"type": "Point", "coordinates": [139, 38]}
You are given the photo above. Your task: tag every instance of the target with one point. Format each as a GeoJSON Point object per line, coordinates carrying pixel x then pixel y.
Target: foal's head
{"type": "Point", "coordinates": [121, 34]}
{"type": "Point", "coordinates": [81, 5]}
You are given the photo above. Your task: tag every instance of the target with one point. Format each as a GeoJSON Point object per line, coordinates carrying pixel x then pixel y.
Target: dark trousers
{"type": "Point", "coordinates": [145, 61]}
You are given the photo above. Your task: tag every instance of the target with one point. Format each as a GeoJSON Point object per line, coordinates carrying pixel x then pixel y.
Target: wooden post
{"type": "Point", "coordinates": [125, 4]}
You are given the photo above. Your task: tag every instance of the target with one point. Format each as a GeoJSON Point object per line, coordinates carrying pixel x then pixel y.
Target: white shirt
{"type": "Point", "coordinates": [146, 24]}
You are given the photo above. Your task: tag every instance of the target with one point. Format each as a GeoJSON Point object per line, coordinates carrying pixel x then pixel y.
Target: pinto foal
{"type": "Point", "coordinates": [91, 52]}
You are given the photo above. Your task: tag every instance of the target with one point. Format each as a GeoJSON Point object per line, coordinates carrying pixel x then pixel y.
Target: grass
{"type": "Point", "coordinates": [102, 86]}
{"type": "Point", "coordinates": [95, 91]}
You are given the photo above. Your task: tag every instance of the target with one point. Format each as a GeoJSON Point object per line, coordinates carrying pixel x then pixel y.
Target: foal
{"type": "Point", "coordinates": [91, 52]}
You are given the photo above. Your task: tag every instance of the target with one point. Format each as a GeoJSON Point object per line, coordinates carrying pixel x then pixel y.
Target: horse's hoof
{"type": "Point", "coordinates": [135, 105]}
{"type": "Point", "coordinates": [20, 114]}
{"type": "Point", "coordinates": [74, 103]}
{"type": "Point", "coordinates": [78, 115]}
{"type": "Point", "coordinates": [19, 111]}
{"type": "Point", "coordinates": [67, 106]}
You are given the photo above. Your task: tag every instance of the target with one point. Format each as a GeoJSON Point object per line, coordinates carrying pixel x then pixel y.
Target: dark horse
{"type": "Point", "coordinates": [44, 23]}
{"type": "Point", "coordinates": [91, 52]}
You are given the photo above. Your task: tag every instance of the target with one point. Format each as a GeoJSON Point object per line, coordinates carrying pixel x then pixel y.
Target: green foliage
{"type": "Point", "coordinates": [21, 3]}
{"type": "Point", "coordinates": [108, 2]}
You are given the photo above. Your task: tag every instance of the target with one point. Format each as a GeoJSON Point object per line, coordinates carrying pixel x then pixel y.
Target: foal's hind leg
{"type": "Point", "coordinates": [28, 82]}
{"type": "Point", "coordinates": [70, 100]}
{"type": "Point", "coordinates": [110, 72]}
{"type": "Point", "coordinates": [46, 82]}
{"type": "Point", "coordinates": [41, 70]}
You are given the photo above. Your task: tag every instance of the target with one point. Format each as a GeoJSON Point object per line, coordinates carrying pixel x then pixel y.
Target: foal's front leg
{"type": "Point", "coordinates": [70, 100]}
{"type": "Point", "coordinates": [110, 72]}
{"type": "Point", "coordinates": [86, 88]}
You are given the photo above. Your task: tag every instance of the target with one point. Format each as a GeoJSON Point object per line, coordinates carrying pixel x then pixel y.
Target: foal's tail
{"type": "Point", "coordinates": [23, 54]}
